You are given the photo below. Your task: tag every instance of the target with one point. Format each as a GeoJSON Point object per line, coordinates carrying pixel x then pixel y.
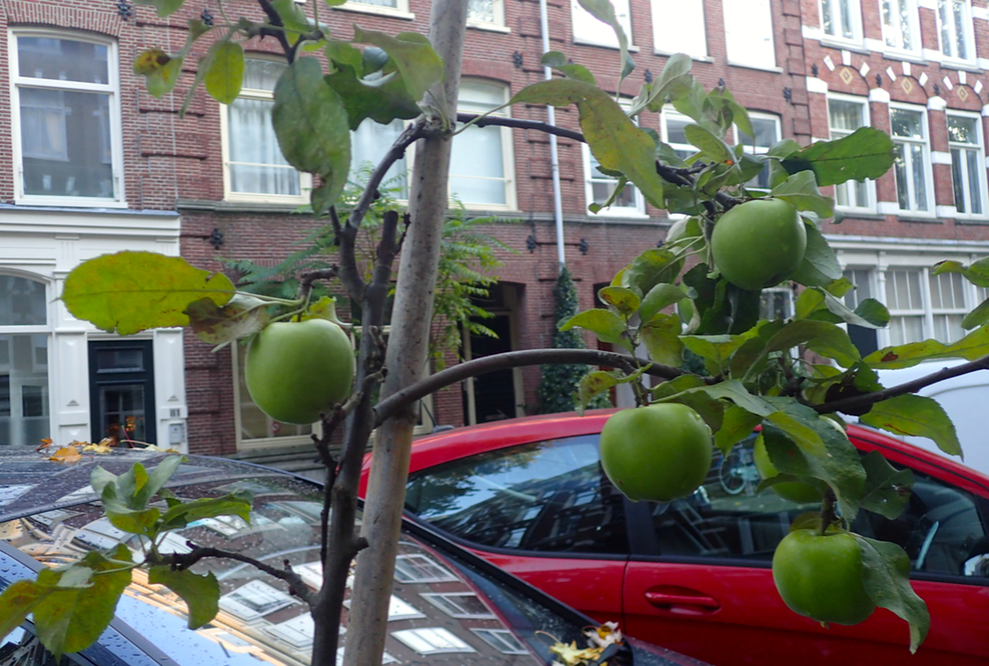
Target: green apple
{"type": "Point", "coordinates": [821, 576]}
{"type": "Point", "coordinates": [296, 370]}
{"type": "Point", "coordinates": [797, 491]}
{"type": "Point", "coordinates": [661, 452]}
{"type": "Point", "coordinates": [759, 243]}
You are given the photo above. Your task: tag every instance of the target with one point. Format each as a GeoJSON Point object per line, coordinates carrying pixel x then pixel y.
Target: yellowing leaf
{"type": "Point", "coordinates": [571, 655]}
{"type": "Point", "coordinates": [66, 454]}
{"type": "Point", "coordinates": [102, 448]}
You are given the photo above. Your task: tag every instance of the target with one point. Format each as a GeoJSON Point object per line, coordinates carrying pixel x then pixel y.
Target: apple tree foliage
{"type": "Point", "coordinates": [793, 377]}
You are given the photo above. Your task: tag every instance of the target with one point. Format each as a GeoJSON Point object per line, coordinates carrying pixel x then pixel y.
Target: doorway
{"type": "Point", "coordinates": [121, 391]}
{"type": "Point", "coordinates": [496, 395]}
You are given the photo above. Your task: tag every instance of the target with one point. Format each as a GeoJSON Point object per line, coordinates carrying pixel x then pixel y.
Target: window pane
{"type": "Point", "coordinates": [845, 115]}
{"type": "Point", "coordinates": [957, 182]}
{"type": "Point", "coordinates": [477, 164]}
{"type": "Point", "coordinates": [905, 329]}
{"type": "Point", "coordinates": [907, 123]}
{"type": "Point", "coordinates": [686, 33]}
{"type": "Point", "coordinates": [948, 328]}
{"type": "Point", "coordinates": [377, 3]}
{"type": "Point", "coordinates": [903, 290]}
{"type": "Point", "coordinates": [62, 60]}
{"type": "Point", "coordinates": [905, 22]}
{"type": "Point", "coordinates": [863, 287]}
{"type": "Point", "coordinates": [919, 182]}
{"type": "Point", "coordinates": [765, 134]}
{"type": "Point", "coordinates": [481, 10]}
{"type": "Point", "coordinates": [963, 130]}
{"type": "Point", "coordinates": [961, 48]}
{"type": "Point", "coordinates": [940, 529]}
{"type": "Point", "coordinates": [544, 496]}
{"type": "Point", "coordinates": [676, 131]}
{"type": "Point", "coordinates": [974, 181]}
{"type": "Point", "coordinates": [262, 74]}
{"type": "Point", "coordinates": [589, 29]}
{"type": "Point", "coordinates": [749, 33]}
{"type": "Point", "coordinates": [22, 302]}
{"type": "Point", "coordinates": [369, 143]}
{"type": "Point", "coordinates": [256, 162]}
{"type": "Point", "coordinates": [65, 143]}
{"type": "Point", "coordinates": [947, 42]}
{"type": "Point", "coordinates": [900, 175]}
{"type": "Point", "coordinates": [24, 415]}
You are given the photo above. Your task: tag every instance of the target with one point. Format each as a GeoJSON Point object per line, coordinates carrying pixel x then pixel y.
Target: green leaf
{"type": "Point", "coordinates": [18, 601]}
{"type": "Point", "coordinates": [977, 273]}
{"type": "Point", "coordinates": [650, 268]}
{"type": "Point", "coordinates": [865, 153]}
{"type": "Point", "coordinates": [419, 65]}
{"type": "Point", "coordinates": [129, 292]}
{"type": "Point", "coordinates": [977, 317]}
{"type": "Point", "coordinates": [709, 144]}
{"type": "Point", "coordinates": [736, 425]}
{"type": "Point", "coordinates": [241, 317]}
{"type": "Point", "coordinates": [800, 191]}
{"type": "Point", "coordinates": [916, 415]}
{"type": "Point", "coordinates": [200, 593]}
{"type": "Point", "coordinates": [311, 125]}
{"type": "Point", "coordinates": [71, 619]}
{"type": "Point", "coordinates": [123, 517]}
{"type": "Point", "coordinates": [162, 81]}
{"type": "Point", "coordinates": [234, 504]}
{"type": "Point", "coordinates": [820, 266]}
{"type": "Point", "coordinates": [661, 336]}
{"type": "Point", "coordinates": [825, 338]}
{"type": "Point", "coordinates": [164, 7]}
{"type": "Point", "coordinates": [593, 383]}
{"type": "Point", "coordinates": [623, 299]}
{"type": "Point", "coordinates": [226, 71]}
{"type": "Point", "coordinates": [870, 313]}
{"type": "Point", "coordinates": [603, 10]}
{"type": "Point", "coordinates": [717, 349]}
{"type": "Point", "coordinates": [558, 61]}
{"type": "Point", "coordinates": [659, 298]}
{"type": "Point", "coordinates": [886, 576]}
{"type": "Point", "coordinates": [674, 78]}
{"type": "Point", "coordinates": [973, 346]}
{"type": "Point", "coordinates": [295, 20]}
{"type": "Point", "coordinates": [606, 325]}
{"type": "Point", "coordinates": [383, 100]}
{"type": "Point", "coordinates": [887, 490]}
{"type": "Point", "coordinates": [837, 463]}
{"type": "Point", "coordinates": [614, 140]}
{"type": "Point", "coordinates": [162, 472]}
{"type": "Point", "coordinates": [676, 385]}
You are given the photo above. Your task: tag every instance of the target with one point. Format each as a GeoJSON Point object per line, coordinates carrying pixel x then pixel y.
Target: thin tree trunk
{"type": "Point", "coordinates": [406, 358]}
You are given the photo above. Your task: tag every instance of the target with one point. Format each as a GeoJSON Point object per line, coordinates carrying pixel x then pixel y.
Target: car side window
{"type": "Point", "coordinates": [940, 530]}
{"type": "Point", "coordinates": [725, 517]}
{"type": "Point", "coordinates": [543, 496]}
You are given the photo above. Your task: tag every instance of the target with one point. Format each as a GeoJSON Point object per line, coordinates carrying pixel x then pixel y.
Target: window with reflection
{"type": "Point", "coordinates": [842, 19]}
{"type": "Point", "coordinates": [900, 25]}
{"type": "Point", "coordinates": [24, 393]}
{"type": "Point", "coordinates": [912, 167]}
{"type": "Point", "coordinates": [67, 123]}
{"type": "Point", "coordinates": [845, 115]}
{"type": "Point", "coordinates": [481, 163]}
{"type": "Point", "coordinates": [954, 18]}
{"type": "Point", "coordinates": [968, 172]}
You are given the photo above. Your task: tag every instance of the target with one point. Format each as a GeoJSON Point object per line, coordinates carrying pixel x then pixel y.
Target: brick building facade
{"type": "Point", "coordinates": [127, 171]}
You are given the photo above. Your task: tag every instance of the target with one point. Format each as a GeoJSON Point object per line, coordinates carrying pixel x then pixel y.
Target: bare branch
{"type": "Point", "coordinates": [182, 561]}
{"type": "Point", "coordinates": [675, 175]}
{"type": "Point", "coordinates": [867, 399]}
{"type": "Point", "coordinates": [395, 402]}
{"type": "Point", "coordinates": [307, 279]}
{"type": "Point", "coordinates": [280, 35]}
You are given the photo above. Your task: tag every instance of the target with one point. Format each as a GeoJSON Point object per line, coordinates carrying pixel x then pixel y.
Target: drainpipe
{"type": "Point", "coordinates": [554, 156]}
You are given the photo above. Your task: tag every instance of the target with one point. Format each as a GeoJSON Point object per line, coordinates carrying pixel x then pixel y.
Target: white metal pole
{"type": "Point", "coordinates": [554, 156]}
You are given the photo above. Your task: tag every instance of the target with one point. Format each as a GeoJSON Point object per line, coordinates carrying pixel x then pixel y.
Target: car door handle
{"type": "Point", "coordinates": [682, 598]}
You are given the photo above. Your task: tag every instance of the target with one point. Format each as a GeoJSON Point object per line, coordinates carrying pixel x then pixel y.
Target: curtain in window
{"type": "Point", "coordinates": [368, 144]}
{"type": "Point", "coordinates": [477, 164]}
{"type": "Point", "coordinates": [256, 162]}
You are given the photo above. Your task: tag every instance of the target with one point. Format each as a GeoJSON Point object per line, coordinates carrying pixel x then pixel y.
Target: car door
{"type": "Point", "coordinates": [700, 580]}
{"type": "Point", "coordinates": [543, 510]}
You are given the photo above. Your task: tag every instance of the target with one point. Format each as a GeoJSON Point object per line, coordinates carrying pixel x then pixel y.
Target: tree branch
{"type": "Point", "coordinates": [276, 20]}
{"type": "Point", "coordinates": [867, 399]}
{"type": "Point", "coordinates": [307, 279]}
{"type": "Point", "coordinates": [395, 402]}
{"type": "Point", "coordinates": [675, 175]}
{"type": "Point", "coordinates": [346, 240]}
{"type": "Point", "coordinates": [183, 561]}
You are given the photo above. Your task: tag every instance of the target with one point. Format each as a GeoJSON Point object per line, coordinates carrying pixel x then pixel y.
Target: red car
{"type": "Point", "coordinates": [694, 575]}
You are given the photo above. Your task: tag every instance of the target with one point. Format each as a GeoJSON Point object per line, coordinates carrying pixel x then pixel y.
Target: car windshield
{"type": "Point", "coordinates": [438, 614]}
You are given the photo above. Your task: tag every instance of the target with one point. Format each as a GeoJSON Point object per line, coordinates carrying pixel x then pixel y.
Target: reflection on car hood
{"type": "Point", "coordinates": [443, 610]}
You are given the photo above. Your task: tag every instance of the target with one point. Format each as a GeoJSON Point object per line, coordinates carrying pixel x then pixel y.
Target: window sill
{"type": "Point", "coordinates": [913, 57]}
{"type": "Point", "coordinates": [965, 65]}
{"type": "Point", "coordinates": [911, 217]}
{"type": "Point", "coordinates": [861, 214]}
{"type": "Point", "coordinates": [586, 42]}
{"type": "Point", "coordinates": [236, 206]}
{"type": "Point", "coordinates": [489, 27]}
{"type": "Point", "coordinates": [374, 9]}
{"type": "Point", "coordinates": [695, 58]}
{"type": "Point", "coordinates": [980, 221]}
{"type": "Point", "coordinates": [621, 214]}
{"type": "Point", "coordinates": [69, 202]}
{"type": "Point", "coordinates": [855, 46]}
{"type": "Point", "coordinates": [761, 68]}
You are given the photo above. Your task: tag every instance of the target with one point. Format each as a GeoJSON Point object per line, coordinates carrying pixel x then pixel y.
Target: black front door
{"type": "Point", "coordinates": [121, 391]}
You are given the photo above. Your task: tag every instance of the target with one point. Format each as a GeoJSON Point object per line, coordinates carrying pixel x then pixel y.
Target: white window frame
{"type": "Point", "coordinates": [111, 88]}
{"type": "Point", "coordinates": [751, 149]}
{"type": "Point", "coordinates": [636, 210]}
{"type": "Point", "coordinates": [980, 169]}
{"type": "Point", "coordinates": [895, 31]}
{"type": "Point", "coordinates": [400, 10]}
{"type": "Point", "coordinates": [305, 179]}
{"type": "Point", "coordinates": [854, 10]}
{"type": "Point", "coordinates": [623, 11]}
{"type": "Point", "coordinates": [870, 185]}
{"type": "Point", "coordinates": [698, 43]}
{"type": "Point", "coordinates": [507, 152]}
{"type": "Point", "coordinates": [498, 24]}
{"type": "Point", "coordinates": [739, 59]}
{"type": "Point", "coordinates": [968, 30]}
{"type": "Point", "coordinates": [925, 162]}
